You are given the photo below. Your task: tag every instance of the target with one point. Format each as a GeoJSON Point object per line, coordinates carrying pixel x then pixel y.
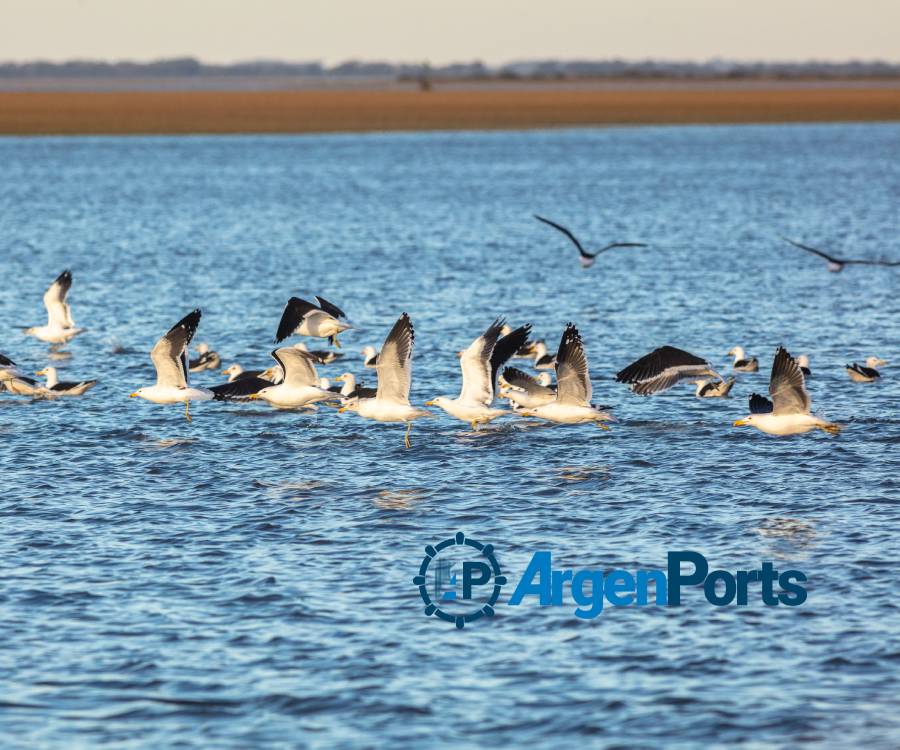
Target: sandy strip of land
{"type": "Point", "coordinates": [159, 112]}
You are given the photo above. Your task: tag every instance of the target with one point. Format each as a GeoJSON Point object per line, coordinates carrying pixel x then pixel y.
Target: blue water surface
{"type": "Point", "coordinates": [245, 580]}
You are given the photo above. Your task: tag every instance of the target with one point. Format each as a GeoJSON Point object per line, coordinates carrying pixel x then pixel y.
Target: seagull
{"type": "Point", "coordinates": [370, 357]}
{"type": "Point", "coordinates": [713, 388]}
{"type": "Point", "coordinates": [20, 385]}
{"type": "Point", "coordinates": [524, 391]}
{"type": "Point", "coordinates": [60, 327]}
{"type": "Point", "coordinates": [837, 264]}
{"type": "Point", "coordinates": [170, 358]}
{"type": "Point", "coordinates": [803, 361]}
{"type": "Point", "coordinates": [300, 386]}
{"type": "Point", "coordinates": [320, 356]}
{"type": "Point", "coordinates": [207, 360]}
{"type": "Point", "coordinates": [543, 360]}
{"type": "Point", "coordinates": [572, 404]}
{"type": "Point", "coordinates": [65, 388]}
{"type": "Point", "coordinates": [867, 373]}
{"type": "Point", "coordinates": [306, 319]}
{"type": "Point", "coordinates": [236, 372]}
{"type": "Point", "coordinates": [351, 389]}
{"type": "Point", "coordinates": [743, 363]}
{"type": "Point", "coordinates": [587, 259]}
{"type": "Point", "coordinates": [662, 368]}
{"type": "Point", "coordinates": [480, 364]}
{"type": "Point", "coordinates": [394, 370]}
{"type": "Point", "coordinates": [788, 411]}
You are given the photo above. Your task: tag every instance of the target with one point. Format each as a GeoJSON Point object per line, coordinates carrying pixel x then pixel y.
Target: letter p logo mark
{"type": "Point", "coordinates": [474, 573]}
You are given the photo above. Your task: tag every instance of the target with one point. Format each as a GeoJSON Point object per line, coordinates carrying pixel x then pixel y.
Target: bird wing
{"type": "Point", "coordinates": [505, 348]}
{"type": "Point", "coordinates": [813, 250]}
{"type": "Point", "coordinates": [169, 355]}
{"type": "Point", "coordinates": [572, 377]}
{"type": "Point", "coordinates": [661, 369]}
{"type": "Point", "coordinates": [58, 313]}
{"type": "Point", "coordinates": [619, 244]}
{"type": "Point", "coordinates": [760, 404]}
{"type": "Point", "coordinates": [475, 362]}
{"type": "Point", "coordinates": [518, 379]}
{"type": "Point", "coordinates": [572, 237]}
{"type": "Point", "coordinates": [786, 385]}
{"type": "Point", "coordinates": [333, 310]}
{"type": "Point", "coordinates": [394, 366]}
{"type": "Point", "coordinates": [872, 262]}
{"type": "Point", "coordinates": [294, 311]}
{"type": "Point", "coordinates": [239, 389]}
{"type": "Point", "coordinates": [297, 366]}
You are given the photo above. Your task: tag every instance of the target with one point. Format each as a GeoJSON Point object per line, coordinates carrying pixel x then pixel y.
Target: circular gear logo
{"type": "Point", "coordinates": [459, 580]}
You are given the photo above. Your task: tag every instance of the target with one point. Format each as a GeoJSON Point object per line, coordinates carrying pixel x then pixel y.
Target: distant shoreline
{"type": "Point", "coordinates": [447, 107]}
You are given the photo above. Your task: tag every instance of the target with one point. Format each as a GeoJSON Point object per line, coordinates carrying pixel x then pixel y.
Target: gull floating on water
{"type": "Point", "coordinates": [803, 362]}
{"type": "Point", "coordinates": [306, 319]}
{"type": "Point", "coordinates": [525, 391]}
{"type": "Point", "coordinates": [743, 363]}
{"type": "Point", "coordinates": [587, 259]}
{"type": "Point", "coordinates": [64, 388]}
{"type": "Point", "coordinates": [170, 358]}
{"type": "Point", "coordinates": [788, 413]}
{"type": "Point", "coordinates": [480, 363]}
{"type": "Point", "coordinates": [351, 389]}
{"type": "Point", "coordinates": [865, 374]}
{"type": "Point", "coordinates": [714, 388]}
{"type": "Point", "coordinates": [572, 404]}
{"type": "Point", "coordinates": [60, 326]}
{"type": "Point", "coordinates": [526, 351]}
{"type": "Point", "coordinates": [837, 264]}
{"type": "Point", "coordinates": [319, 356]}
{"type": "Point", "coordinates": [370, 357]}
{"type": "Point", "coordinates": [206, 359]}
{"type": "Point", "coordinates": [662, 368]}
{"type": "Point", "coordinates": [394, 370]}
{"type": "Point", "coordinates": [14, 381]}
{"type": "Point", "coordinates": [543, 360]}
{"type": "Point", "coordinates": [300, 386]}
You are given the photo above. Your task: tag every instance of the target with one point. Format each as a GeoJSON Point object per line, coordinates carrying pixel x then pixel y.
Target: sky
{"type": "Point", "coordinates": [442, 31]}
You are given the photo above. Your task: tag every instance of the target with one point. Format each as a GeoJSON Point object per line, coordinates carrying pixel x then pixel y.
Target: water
{"type": "Point", "coordinates": [245, 580]}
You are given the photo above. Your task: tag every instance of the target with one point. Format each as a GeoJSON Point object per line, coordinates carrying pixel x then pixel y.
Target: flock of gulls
{"type": "Point", "coordinates": [293, 382]}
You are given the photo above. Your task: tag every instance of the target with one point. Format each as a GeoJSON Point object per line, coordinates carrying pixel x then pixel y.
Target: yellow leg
{"type": "Point", "coordinates": [406, 436]}
{"type": "Point", "coordinates": [187, 410]}
{"type": "Point", "coordinates": [474, 426]}
{"type": "Point", "coordinates": [336, 342]}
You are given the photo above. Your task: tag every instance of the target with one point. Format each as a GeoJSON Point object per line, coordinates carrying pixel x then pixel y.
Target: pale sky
{"type": "Point", "coordinates": [449, 30]}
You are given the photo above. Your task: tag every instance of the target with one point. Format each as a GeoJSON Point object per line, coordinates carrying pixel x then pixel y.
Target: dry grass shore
{"type": "Point", "coordinates": [160, 112]}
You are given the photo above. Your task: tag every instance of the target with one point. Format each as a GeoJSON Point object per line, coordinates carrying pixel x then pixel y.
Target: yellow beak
{"type": "Point", "coordinates": [40, 372]}
{"type": "Point", "coordinates": [253, 396]}
{"type": "Point", "coordinates": [342, 410]}
{"type": "Point", "coordinates": [429, 403]}
{"type": "Point", "coordinates": [602, 426]}
{"type": "Point", "coordinates": [740, 422]}
{"type": "Point", "coordinates": [133, 395]}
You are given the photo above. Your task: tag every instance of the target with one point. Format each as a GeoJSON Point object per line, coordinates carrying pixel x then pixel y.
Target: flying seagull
{"type": "Point", "coordinates": [60, 327]}
{"type": "Point", "coordinates": [587, 259]}
{"type": "Point", "coordinates": [394, 371]}
{"type": "Point", "coordinates": [480, 364]}
{"type": "Point", "coordinates": [572, 404]}
{"type": "Point", "coordinates": [788, 413]}
{"type": "Point", "coordinates": [300, 386]}
{"type": "Point", "coordinates": [662, 368]}
{"type": "Point", "coordinates": [170, 358]}
{"type": "Point", "coordinates": [306, 319]}
{"type": "Point", "coordinates": [837, 264]}
{"type": "Point", "coordinates": [525, 391]}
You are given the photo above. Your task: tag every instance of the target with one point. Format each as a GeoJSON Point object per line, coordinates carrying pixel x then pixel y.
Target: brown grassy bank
{"type": "Point", "coordinates": [31, 113]}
